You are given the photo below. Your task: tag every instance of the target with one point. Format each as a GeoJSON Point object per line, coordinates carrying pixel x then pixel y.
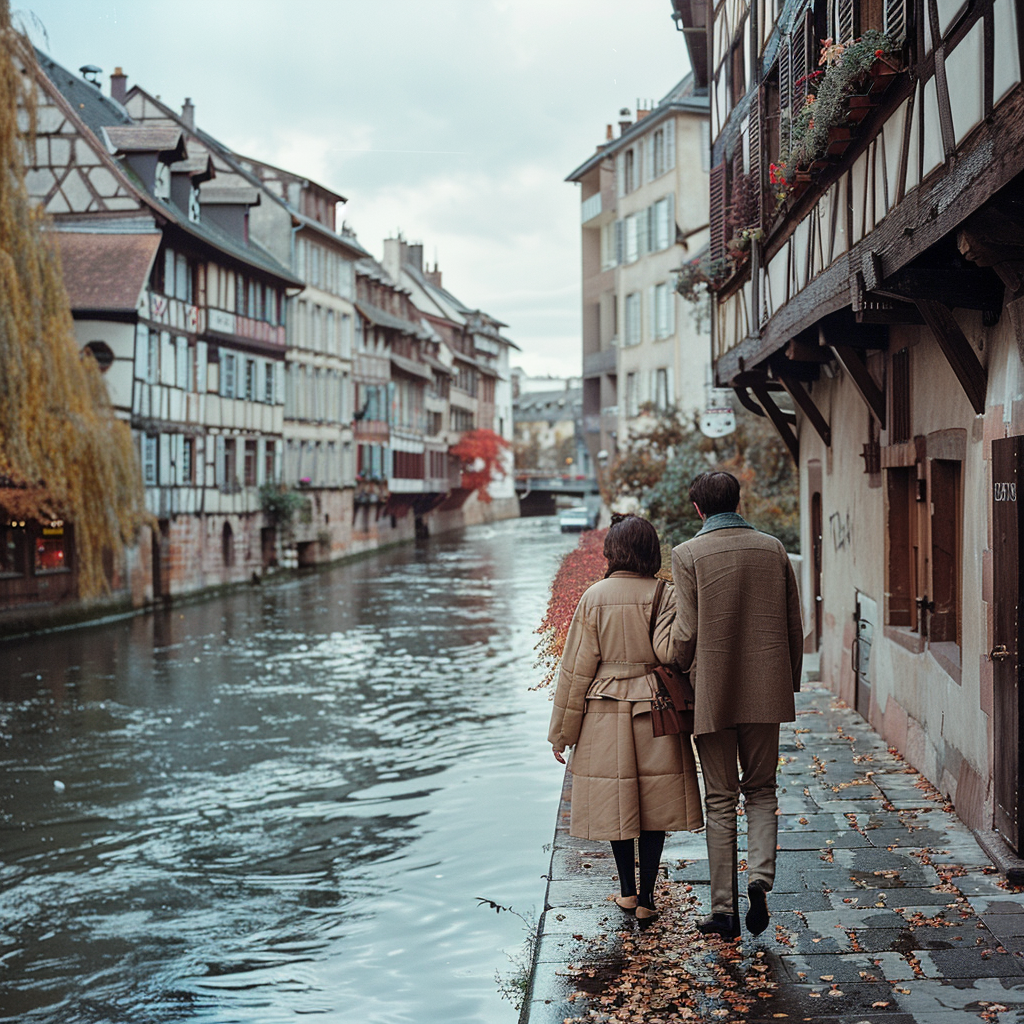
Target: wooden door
{"type": "Point", "coordinates": [1006, 667]}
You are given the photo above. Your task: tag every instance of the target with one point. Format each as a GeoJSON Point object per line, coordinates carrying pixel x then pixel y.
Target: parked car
{"type": "Point", "coordinates": [579, 517]}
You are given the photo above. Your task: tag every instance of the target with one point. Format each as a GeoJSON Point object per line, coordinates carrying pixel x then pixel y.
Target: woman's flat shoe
{"type": "Point", "coordinates": [645, 916]}
{"type": "Point", "coordinates": [626, 903]}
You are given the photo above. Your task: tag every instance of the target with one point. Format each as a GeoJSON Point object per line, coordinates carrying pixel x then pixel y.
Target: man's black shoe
{"type": "Point", "coordinates": [757, 915]}
{"type": "Point", "coordinates": [725, 925]}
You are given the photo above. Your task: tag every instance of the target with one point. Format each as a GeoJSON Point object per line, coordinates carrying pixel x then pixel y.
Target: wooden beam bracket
{"type": "Point", "coordinates": [858, 372]}
{"type": "Point", "coordinates": [782, 422]}
{"type": "Point", "coordinates": [809, 409]}
{"type": "Point", "coordinates": [957, 349]}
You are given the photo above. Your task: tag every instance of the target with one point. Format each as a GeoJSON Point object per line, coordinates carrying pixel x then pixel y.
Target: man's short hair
{"type": "Point", "coordinates": [715, 492]}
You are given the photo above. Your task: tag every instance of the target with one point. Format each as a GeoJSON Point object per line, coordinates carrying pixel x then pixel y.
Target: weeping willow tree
{"type": "Point", "coordinates": [63, 454]}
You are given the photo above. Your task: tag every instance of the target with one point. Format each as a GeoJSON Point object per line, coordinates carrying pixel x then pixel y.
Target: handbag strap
{"type": "Point", "coordinates": [655, 605]}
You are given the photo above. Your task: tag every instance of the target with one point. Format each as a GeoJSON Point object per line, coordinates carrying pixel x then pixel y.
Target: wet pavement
{"type": "Point", "coordinates": [885, 908]}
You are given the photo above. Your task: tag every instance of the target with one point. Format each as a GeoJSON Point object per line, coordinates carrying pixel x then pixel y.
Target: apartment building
{"type": "Point", "coordinates": [643, 208]}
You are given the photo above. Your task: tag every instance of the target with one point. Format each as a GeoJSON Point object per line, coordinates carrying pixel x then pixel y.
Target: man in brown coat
{"type": "Point", "coordinates": [738, 631]}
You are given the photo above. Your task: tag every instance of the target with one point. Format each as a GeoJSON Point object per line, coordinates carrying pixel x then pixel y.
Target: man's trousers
{"type": "Point", "coordinates": [756, 748]}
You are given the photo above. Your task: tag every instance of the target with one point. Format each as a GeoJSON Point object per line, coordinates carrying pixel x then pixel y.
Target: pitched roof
{"type": "Point", "coordinates": [140, 138]}
{"type": "Point", "coordinates": [106, 272]}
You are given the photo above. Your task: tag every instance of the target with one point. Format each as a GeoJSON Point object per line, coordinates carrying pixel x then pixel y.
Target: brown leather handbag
{"type": "Point", "coordinates": [672, 707]}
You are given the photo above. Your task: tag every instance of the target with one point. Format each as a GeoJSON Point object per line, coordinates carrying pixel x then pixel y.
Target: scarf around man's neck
{"type": "Point", "coordinates": [724, 521]}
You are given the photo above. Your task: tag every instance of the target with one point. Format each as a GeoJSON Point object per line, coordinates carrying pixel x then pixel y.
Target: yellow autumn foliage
{"type": "Point", "coordinates": [62, 450]}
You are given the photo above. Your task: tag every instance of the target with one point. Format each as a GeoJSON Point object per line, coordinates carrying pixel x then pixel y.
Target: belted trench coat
{"type": "Point", "coordinates": [625, 779]}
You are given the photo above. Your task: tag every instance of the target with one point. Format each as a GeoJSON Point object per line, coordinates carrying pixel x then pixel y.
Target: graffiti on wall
{"type": "Point", "coordinates": [842, 530]}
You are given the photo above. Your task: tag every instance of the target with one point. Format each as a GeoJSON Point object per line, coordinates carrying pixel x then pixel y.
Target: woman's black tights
{"type": "Point", "coordinates": [650, 846]}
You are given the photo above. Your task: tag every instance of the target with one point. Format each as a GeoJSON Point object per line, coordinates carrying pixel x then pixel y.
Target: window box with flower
{"type": "Point", "coordinates": [853, 77]}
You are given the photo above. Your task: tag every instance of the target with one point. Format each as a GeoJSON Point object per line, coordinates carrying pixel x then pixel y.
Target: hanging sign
{"type": "Point", "coordinates": [717, 422]}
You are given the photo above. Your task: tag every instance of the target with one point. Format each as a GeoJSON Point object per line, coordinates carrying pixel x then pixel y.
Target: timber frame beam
{"type": "Point", "coordinates": [986, 162]}
{"type": "Point", "coordinates": [810, 410]}
{"type": "Point", "coordinates": [957, 349]}
{"type": "Point", "coordinates": [781, 421]}
{"type": "Point", "coordinates": [856, 368]}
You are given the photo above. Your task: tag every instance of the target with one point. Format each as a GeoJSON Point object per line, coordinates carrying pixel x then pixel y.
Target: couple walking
{"type": "Point", "coordinates": [733, 620]}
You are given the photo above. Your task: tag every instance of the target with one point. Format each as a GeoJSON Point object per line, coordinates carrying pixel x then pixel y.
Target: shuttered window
{"type": "Point", "coordinates": [149, 460]}
{"type": "Point", "coordinates": [896, 20]}
{"type": "Point", "coordinates": [899, 429]}
{"type": "Point", "coordinates": [632, 315]}
{"type": "Point", "coordinates": [754, 156]}
{"type": "Point", "coordinates": [716, 211]}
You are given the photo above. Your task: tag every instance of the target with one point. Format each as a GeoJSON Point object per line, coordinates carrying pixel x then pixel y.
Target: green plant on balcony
{"type": "Point", "coordinates": [695, 278]}
{"type": "Point", "coordinates": [847, 68]}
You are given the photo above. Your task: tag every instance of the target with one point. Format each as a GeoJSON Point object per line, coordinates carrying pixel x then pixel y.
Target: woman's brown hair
{"type": "Point", "coordinates": [632, 545]}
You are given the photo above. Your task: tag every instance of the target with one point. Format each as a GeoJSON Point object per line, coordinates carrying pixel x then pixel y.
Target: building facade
{"type": "Point", "coordinates": [644, 212]}
{"type": "Point", "coordinates": [881, 172]}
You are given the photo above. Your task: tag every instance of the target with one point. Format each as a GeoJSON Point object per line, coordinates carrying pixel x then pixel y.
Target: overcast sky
{"type": "Point", "coordinates": [452, 121]}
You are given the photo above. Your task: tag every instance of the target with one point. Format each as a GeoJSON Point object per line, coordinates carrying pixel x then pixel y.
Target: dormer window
{"type": "Point", "coordinates": [162, 182]}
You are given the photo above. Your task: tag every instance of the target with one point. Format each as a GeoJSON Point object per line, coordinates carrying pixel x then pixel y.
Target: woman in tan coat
{"type": "Point", "coordinates": [628, 784]}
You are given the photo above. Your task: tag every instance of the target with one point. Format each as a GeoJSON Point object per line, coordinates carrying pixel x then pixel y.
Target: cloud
{"type": "Point", "coordinates": [454, 121]}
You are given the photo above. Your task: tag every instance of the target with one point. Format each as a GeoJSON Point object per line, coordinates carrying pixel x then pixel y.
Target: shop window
{"type": "Point", "coordinates": [50, 551]}
{"type": "Point", "coordinates": [13, 548]}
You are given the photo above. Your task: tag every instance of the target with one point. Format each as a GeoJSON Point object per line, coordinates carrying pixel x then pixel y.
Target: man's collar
{"type": "Point", "coordinates": [724, 521]}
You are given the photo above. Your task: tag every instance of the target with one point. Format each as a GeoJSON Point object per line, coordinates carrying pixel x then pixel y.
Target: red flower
{"type": "Point", "coordinates": [879, 53]}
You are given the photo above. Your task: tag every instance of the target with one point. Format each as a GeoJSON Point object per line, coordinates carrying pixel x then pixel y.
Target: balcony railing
{"type": "Point", "coordinates": [590, 208]}
{"type": "Point", "coordinates": [599, 362]}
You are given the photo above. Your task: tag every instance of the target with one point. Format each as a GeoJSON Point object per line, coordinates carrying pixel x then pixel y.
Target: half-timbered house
{"type": "Point", "coordinates": [869, 154]}
{"type": "Point", "coordinates": [182, 313]}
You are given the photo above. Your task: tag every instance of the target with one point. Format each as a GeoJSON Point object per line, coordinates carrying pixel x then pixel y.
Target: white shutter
{"type": "Point", "coordinates": [643, 240]}
{"type": "Point", "coordinates": [670, 202]}
{"type": "Point", "coordinates": [620, 245]}
{"type": "Point", "coordinates": [261, 458]}
{"type": "Point", "coordinates": [631, 239]}
{"type": "Point", "coordinates": [670, 314]}
{"type": "Point", "coordinates": [670, 144]}
{"type": "Point", "coordinates": [652, 306]}
{"type": "Point", "coordinates": [181, 363]}
{"type": "Point", "coordinates": [670, 390]}
{"type": "Point", "coordinates": [649, 157]}
{"type": "Point", "coordinates": [142, 352]}
{"type": "Point", "coordinates": [218, 462]}
{"type": "Point", "coordinates": [165, 458]}
{"type": "Point", "coordinates": [201, 367]}
{"type": "Point", "coordinates": [620, 174]}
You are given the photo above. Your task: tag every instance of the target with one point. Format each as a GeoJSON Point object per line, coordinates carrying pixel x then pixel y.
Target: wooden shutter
{"type": "Point", "coordinates": [785, 94]}
{"type": "Point", "coordinates": [843, 32]}
{"type": "Point", "coordinates": [754, 144]}
{"type": "Point", "coordinates": [798, 65]}
{"type": "Point", "coordinates": [716, 210]}
{"type": "Point", "coordinates": [896, 20]}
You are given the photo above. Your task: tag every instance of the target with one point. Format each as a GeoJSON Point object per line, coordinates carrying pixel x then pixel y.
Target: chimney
{"type": "Point", "coordinates": [118, 85]}
{"type": "Point", "coordinates": [188, 113]}
{"type": "Point", "coordinates": [434, 276]}
{"type": "Point", "coordinates": [413, 256]}
{"type": "Point", "coordinates": [609, 133]}
{"type": "Point", "coordinates": [624, 122]}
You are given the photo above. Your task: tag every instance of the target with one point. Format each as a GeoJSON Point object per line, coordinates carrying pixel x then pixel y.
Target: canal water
{"type": "Point", "coordinates": [284, 803]}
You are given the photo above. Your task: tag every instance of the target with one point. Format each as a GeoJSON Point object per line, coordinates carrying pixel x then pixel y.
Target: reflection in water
{"type": "Point", "coordinates": [283, 801]}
